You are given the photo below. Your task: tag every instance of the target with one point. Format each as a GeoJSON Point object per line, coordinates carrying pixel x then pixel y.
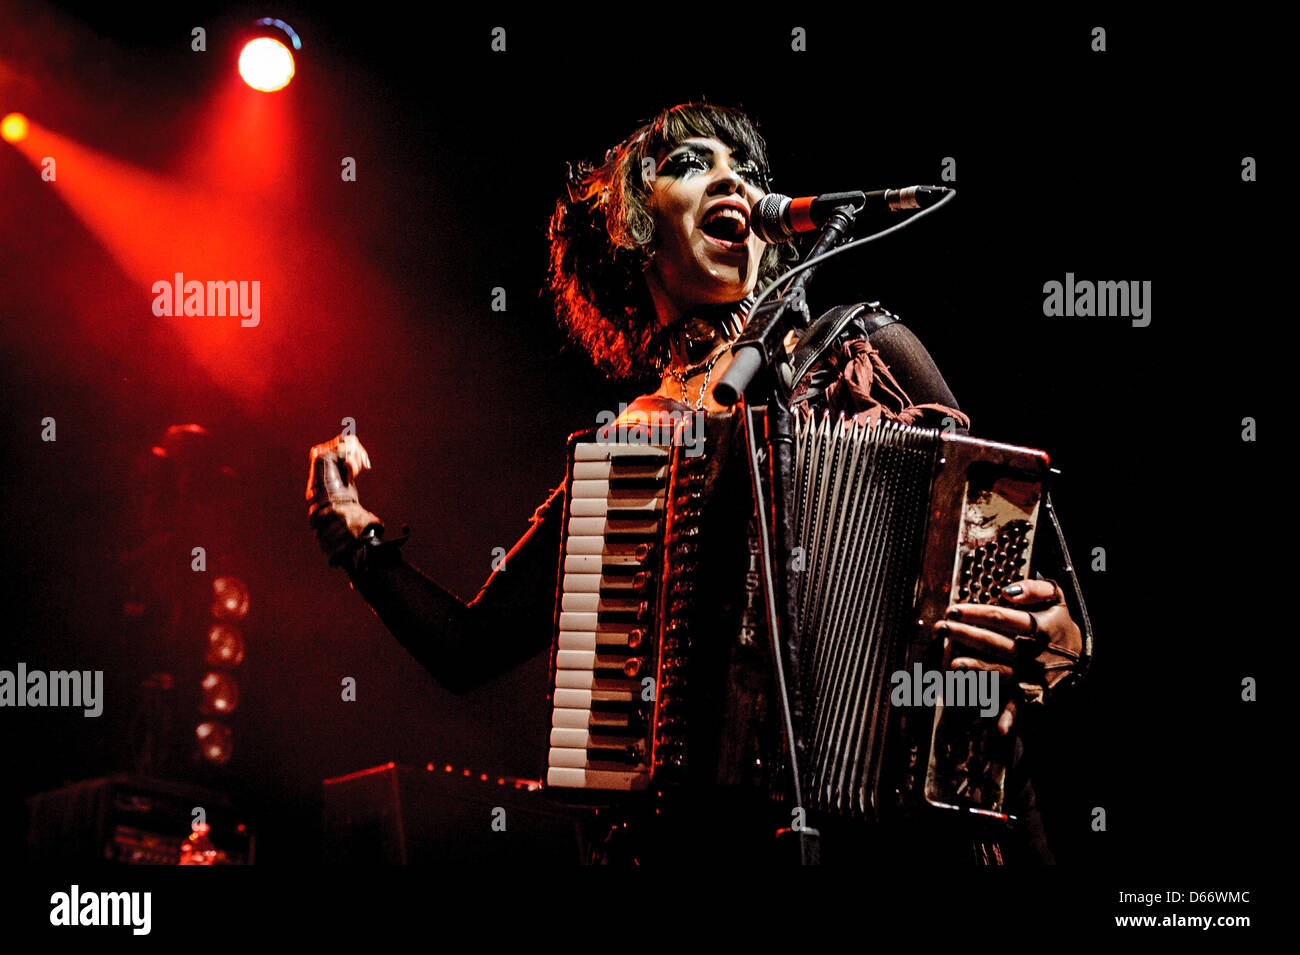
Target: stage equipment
{"type": "Point", "coordinates": [132, 820]}
{"type": "Point", "coordinates": [442, 815]}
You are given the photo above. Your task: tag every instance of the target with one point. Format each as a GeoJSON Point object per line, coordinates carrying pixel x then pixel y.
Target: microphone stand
{"type": "Point", "coordinates": [754, 372]}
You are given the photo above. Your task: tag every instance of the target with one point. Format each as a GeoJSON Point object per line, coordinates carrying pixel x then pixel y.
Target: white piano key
{"type": "Point", "coordinates": [570, 758]}
{"type": "Point", "coordinates": [586, 489]}
{"type": "Point", "coordinates": [602, 721]}
{"type": "Point", "coordinates": [572, 699]}
{"type": "Point", "coordinates": [579, 603]}
{"type": "Point", "coordinates": [647, 526]}
{"type": "Point", "coordinates": [595, 603]}
{"type": "Point", "coordinates": [598, 507]}
{"type": "Point", "coordinates": [587, 679]}
{"type": "Point", "coordinates": [591, 470]}
{"type": "Point", "coordinates": [604, 738]}
{"type": "Point", "coordinates": [560, 777]}
{"type": "Point", "coordinates": [571, 738]}
{"type": "Point", "coordinates": [595, 451]}
{"type": "Point", "coordinates": [575, 660]}
{"type": "Point", "coordinates": [570, 718]}
{"type": "Point", "coordinates": [581, 583]}
{"type": "Point", "coordinates": [585, 622]}
{"type": "Point", "coordinates": [604, 470]}
{"type": "Point", "coordinates": [575, 640]}
{"type": "Point", "coordinates": [583, 563]}
{"type": "Point", "coordinates": [578, 640]}
{"type": "Point", "coordinates": [574, 679]}
{"type": "Point", "coordinates": [587, 526]}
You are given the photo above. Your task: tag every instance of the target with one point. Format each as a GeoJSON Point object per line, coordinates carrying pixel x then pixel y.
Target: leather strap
{"type": "Point", "coordinates": [827, 330]}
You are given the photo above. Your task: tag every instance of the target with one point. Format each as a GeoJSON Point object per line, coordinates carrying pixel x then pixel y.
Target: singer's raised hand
{"type": "Point", "coordinates": [333, 505]}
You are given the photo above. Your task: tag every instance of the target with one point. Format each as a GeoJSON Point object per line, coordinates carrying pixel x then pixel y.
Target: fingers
{"type": "Point", "coordinates": [352, 455]}
{"type": "Point", "coordinates": [975, 663]}
{"type": "Point", "coordinates": [349, 453]}
{"type": "Point", "coordinates": [1007, 718]}
{"type": "Point", "coordinates": [1008, 620]}
{"type": "Point", "coordinates": [1032, 592]}
{"type": "Point", "coordinates": [984, 641]}
{"type": "Point", "coordinates": [334, 467]}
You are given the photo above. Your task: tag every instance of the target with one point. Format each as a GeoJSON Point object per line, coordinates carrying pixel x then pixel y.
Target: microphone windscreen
{"type": "Point", "coordinates": [765, 218]}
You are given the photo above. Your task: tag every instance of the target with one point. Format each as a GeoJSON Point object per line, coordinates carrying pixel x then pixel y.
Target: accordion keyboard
{"type": "Point", "coordinates": [603, 700]}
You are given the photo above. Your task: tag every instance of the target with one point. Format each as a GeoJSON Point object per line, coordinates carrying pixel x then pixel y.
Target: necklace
{"type": "Point", "coordinates": [681, 379]}
{"type": "Point", "coordinates": [717, 331]}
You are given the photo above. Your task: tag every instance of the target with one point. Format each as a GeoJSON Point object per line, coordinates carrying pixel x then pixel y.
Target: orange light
{"type": "Point", "coordinates": [266, 64]}
{"type": "Point", "coordinates": [13, 128]}
{"type": "Point", "coordinates": [214, 742]}
{"type": "Point", "coordinates": [220, 694]}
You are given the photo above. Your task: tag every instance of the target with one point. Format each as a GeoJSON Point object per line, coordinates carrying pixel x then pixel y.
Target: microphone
{"type": "Point", "coordinates": [777, 218]}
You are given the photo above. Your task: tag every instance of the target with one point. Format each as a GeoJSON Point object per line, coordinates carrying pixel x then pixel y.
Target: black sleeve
{"type": "Point", "coordinates": [463, 645]}
{"type": "Point", "coordinates": [911, 364]}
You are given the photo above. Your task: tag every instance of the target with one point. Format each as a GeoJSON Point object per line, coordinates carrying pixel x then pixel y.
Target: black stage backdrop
{"type": "Point", "coordinates": [1125, 165]}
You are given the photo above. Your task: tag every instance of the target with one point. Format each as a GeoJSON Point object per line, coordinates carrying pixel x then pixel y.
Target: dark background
{"type": "Point", "coordinates": [1123, 165]}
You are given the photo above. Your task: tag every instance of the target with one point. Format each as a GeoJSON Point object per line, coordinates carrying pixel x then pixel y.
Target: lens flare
{"type": "Point", "coordinates": [215, 742]}
{"type": "Point", "coordinates": [229, 598]}
{"type": "Point", "coordinates": [220, 694]}
{"type": "Point", "coordinates": [13, 128]}
{"type": "Point", "coordinates": [266, 64]}
{"type": "Point", "coordinates": [225, 646]}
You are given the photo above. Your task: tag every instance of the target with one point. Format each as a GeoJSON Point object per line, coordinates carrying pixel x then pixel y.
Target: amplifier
{"type": "Point", "coordinates": [131, 820]}
{"type": "Point", "coordinates": [440, 815]}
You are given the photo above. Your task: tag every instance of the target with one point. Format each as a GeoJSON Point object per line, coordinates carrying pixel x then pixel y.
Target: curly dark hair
{"type": "Point", "coordinates": [601, 234]}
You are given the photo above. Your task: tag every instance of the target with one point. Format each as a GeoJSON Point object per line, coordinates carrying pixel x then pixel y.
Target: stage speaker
{"type": "Point", "coordinates": [405, 815]}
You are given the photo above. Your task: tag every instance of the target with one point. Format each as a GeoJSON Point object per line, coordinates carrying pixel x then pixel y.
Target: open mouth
{"type": "Point", "coordinates": [727, 225]}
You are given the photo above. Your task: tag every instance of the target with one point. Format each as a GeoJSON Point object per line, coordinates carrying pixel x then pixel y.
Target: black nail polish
{"type": "Point", "coordinates": [1013, 590]}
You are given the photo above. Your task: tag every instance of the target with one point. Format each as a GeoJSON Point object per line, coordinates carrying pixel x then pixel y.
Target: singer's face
{"type": "Point", "coordinates": [703, 255]}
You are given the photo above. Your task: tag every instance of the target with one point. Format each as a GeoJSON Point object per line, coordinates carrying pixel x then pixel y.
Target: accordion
{"type": "Point", "coordinates": [892, 525]}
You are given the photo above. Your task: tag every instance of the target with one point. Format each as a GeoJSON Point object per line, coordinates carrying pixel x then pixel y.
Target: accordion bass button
{"type": "Point", "coordinates": [635, 638]}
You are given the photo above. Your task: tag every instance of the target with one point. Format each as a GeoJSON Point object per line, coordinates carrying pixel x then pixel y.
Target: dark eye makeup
{"type": "Point", "coordinates": [690, 157]}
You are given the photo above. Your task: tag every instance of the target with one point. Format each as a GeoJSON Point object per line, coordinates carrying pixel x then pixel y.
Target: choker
{"type": "Point", "coordinates": [702, 331]}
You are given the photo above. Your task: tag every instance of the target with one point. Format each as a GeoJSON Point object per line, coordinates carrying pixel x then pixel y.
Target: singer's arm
{"type": "Point", "coordinates": [463, 645]}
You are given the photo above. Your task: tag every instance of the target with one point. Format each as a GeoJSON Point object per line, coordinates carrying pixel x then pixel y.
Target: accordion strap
{"type": "Point", "coordinates": [1073, 595]}
{"type": "Point", "coordinates": [825, 332]}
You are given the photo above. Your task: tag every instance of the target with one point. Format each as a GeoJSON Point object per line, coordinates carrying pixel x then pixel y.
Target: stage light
{"type": "Point", "coordinates": [215, 742]}
{"type": "Point", "coordinates": [266, 62]}
{"type": "Point", "coordinates": [229, 598]}
{"type": "Point", "coordinates": [220, 694]}
{"type": "Point", "coordinates": [225, 646]}
{"type": "Point", "coordinates": [13, 128]}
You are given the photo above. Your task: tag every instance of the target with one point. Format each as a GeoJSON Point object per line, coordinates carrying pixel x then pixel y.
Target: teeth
{"type": "Point", "coordinates": [729, 213]}
{"type": "Point", "coordinates": [738, 218]}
